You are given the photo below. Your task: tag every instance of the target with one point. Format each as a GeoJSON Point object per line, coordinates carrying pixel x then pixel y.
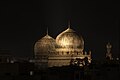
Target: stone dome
{"type": "Point", "coordinates": [70, 39]}
{"type": "Point", "coordinates": [45, 44]}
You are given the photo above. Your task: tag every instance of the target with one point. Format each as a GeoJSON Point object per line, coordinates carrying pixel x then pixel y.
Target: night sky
{"type": "Point", "coordinates": [22, 23]}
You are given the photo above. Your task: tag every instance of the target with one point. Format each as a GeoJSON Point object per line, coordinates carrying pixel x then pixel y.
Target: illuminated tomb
{"type": "Point", "coordinates": [66, 49]}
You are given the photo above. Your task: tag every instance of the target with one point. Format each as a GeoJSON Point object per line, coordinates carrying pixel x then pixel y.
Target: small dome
{"type": "Point", "coordinates": [45, 44]}
{"type": "Point", "coordinates": [70, 39]}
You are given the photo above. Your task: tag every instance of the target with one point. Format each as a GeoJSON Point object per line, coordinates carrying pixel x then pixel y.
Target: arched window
{"type": "Point", "coordinates": [67, 52]}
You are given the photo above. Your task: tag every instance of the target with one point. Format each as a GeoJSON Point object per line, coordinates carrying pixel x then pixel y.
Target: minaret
{"type": "Point", "coordinates": [109, 54]}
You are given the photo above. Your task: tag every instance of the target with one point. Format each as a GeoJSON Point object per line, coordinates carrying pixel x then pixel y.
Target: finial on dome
{"type": "Point", "coordinates": [69, 24]}
{"type": "Point", "coordinates": [47, 31]}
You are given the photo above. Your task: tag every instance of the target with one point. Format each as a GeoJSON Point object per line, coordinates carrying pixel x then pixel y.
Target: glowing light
{"type": "Point", "coordinates": [65, 42]}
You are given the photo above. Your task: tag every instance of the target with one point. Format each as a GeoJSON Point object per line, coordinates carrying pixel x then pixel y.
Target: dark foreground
{"type": "Point", "coordinates": [108, 70]}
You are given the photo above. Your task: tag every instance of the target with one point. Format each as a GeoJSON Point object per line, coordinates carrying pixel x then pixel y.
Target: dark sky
{"type": "Point", "coordinates": [22, 23]}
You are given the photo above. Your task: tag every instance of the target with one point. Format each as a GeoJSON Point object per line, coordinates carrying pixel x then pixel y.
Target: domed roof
{"type": "Point", "coordinates": [45, 44]}
{"type": "Point", "coordinates": [70, 39]}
